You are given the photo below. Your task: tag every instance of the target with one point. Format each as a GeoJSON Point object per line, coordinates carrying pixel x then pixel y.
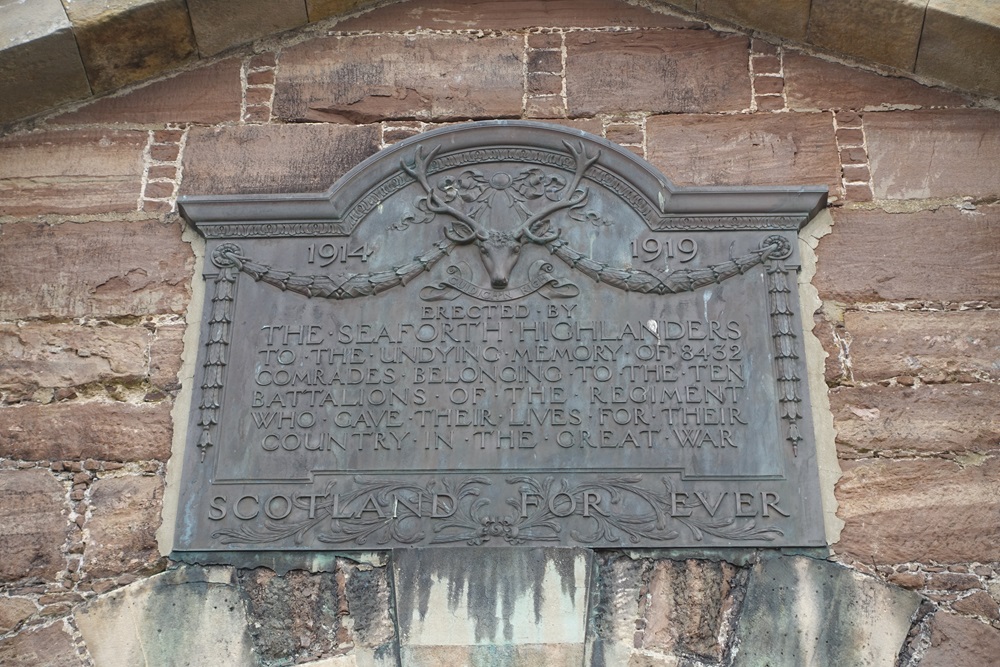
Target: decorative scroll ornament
{"type": "Point", "coordinates": [540, 279]}
{"type": "Point", "coordinates": [383, 510]}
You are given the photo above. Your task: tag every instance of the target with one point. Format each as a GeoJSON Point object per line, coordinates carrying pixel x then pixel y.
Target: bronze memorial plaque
{"type": "Point", "coordinates": [502, 333]}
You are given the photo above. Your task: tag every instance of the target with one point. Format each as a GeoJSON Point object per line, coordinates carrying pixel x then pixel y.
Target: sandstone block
{"type": "Point", "coordinates": [40, 64]}
{"type": "Point", "coordinates": [65, 355]}
{"type": "Point", "coordinates": [97, 430]}
{"type": "Point", "coordinates": [682, 70]}
{"type": "Point", "coordinates": [813, 83]}
{"type": "Point", "coordinates": [953, 420]}
{"type": "Point", "coordinates": [834, 370]}
{"type": "Point", "coordinates": [187, 616]}
{"type": "Point", "coordinates": [549, 590]}
{"type": "Point", "coordinates": [217, 26]}
{"type": "Point", "coordinates": [960, 44]}
{"type": "Point", "coordinates": [979, 603]}
{"type": "Point", "coordinates": [952, 581]}
{"type": "Point", "coordinates": [920, 510]}
{"type": "Point", "coordinates": [787, 18]}
{"type": "Point", "coordinates": [935, 255]}
{"type": "Point", "coordinates": [206, 95]}
{"type": "Point", "coordinates": [51, 646]}
{"type": "Point", "coordinates": [103, 269]}
{"type": "Point", "coordinates": [799, 611]}
{"type": "Point", "coordinates": [122, 41]}
{"type": "Point", "coordinates": [374, 77]}
{"type": "Point", "coordinates": [368, 599]}
{"type": "Point", "coordinates": [299, 158]}
{"type": "Point", "coordinates": [924, 344]}
{"type": "Point", "coordinates": [934, 153]}
{"type": "Point", "coordinates": [292, 616]}
{"type": "Point", "coordinates": [544, 84]}
{"type": "Point", "coordinates": [685, 607]}
{"type": "Point", "coordinates": [122, 527]}
{"type": "Point", "coordinates": [961, 641]}
{"type": "Point", "coordinates": [32, 525]}
{"type": "Point", "coordinates": [491, 15]}
{"type": "Point", "coordinates": [13, 611]}
{"type": "Point", "coordinates": [70, 172]}
{"type": "Point", "coordinates": [165, 355]}
{"type": "Point", "coordinates": [885, 32]}
{"type": "Point", "coordinates": [781, 149]}
{"type": "Point", "coordinates": [324, 9]}
{"type": "Point", "coordinates": [618, 584]}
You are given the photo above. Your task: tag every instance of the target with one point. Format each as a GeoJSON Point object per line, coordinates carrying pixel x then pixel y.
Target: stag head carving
{"type": "Point", "coordinates": [496, 218]}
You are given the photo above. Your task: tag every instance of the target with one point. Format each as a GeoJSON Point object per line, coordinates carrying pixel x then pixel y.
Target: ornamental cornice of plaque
{"type": "Point", "coordinates": [661, 204]}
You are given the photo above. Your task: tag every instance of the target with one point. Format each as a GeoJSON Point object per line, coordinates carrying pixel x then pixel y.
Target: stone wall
{"type": "Point", "coordinates": [96, 281]}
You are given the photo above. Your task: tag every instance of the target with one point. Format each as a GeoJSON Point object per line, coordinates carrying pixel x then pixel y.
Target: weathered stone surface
{"type": "Point", "coordinates": [800, 611]}
{"type": "Point", "coordinates": [32, 525]}
{"type": "Point", "coordinates": [682, 70]}
{"type": "Point", "coordinates": [442, 603]}
{"type": "Point", "coordinates": [787, 18]}
{"type": "Point", "coordinates": [62, 172]}
{"type": "Point", "coordinates": [686, 601]}
{"type": "Point", "coordinates": [299, 158]}
{"type": "Point", "coordinates": [920, 510]}
{"type": "Point", "coordinates": [104, 269]}
{"type": "Point", "coordinates": [122, 526]}
{"type": "Point", "coordinates": [187, 616]}
{"type": "Point", "coordinates": [745, 150]}
{"type": "Point", "coordinates": [614, 618]}
{"type": "Point", "coordinates": [930, 345]}
{"type": "Point", "coordinates": [522, 655]}
{"type": "Point", "coordinates": [961, 641]}
{"type": "Point", "coordinates": [165, 355]}
{"type": "Point", "coordinates": [95, 430]}
{"type": "Point", "coordinates": [65, 355]}
{"type": "Point", "coordinates": [813, 83]}
{"type": "Point", "coordinates": [322, 9]}
{"type": "Point", "coordinates": [979, 603]}
{"type": "Point", "coordinates": [935, 255]}
{"type": "Point", "coordinates": [948, 419]}
{"type": "Point", "coordinates": [375, 77]}
{"type": "Point", "coordinates": [506, 15]}
{"type": "Point", "coordinates": [217, 26]}
{"type": "Point", "coordinates": [960, 44]}
{"type": "Point", "coordinates": [347, 660]}
{"type": "Point", "coordinates": [885, 32]}
{"type": "Point", "coordinates": [51, 646]}
{"type": "Point", "coordinates": [952, 581]}
{"type": "Point", "coordinates": [295, 616]}
{"type": "Point", "coordinates": [40, 64]}
{"type": "Point", "coordinates": [369, 599]}
{"type": "Point", "coordinates": [204, 95]}
{"type": "Point", "coordinates": [13, 611]}
{"type": "Point", "coordinates": [827, 332]}
{"type": "Point", "coordinates": [931, 153]}
{"type": "Point", "coordinates": [122, 41]}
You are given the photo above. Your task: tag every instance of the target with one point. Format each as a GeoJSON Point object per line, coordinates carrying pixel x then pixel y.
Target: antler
{"type": "Point", "coordinates": [418, 170]}
{"type": "Point", "coordinates": [576, 196]}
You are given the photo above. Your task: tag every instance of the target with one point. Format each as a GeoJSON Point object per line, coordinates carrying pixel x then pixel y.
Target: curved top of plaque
{"type": "Point", "coordinates": [660, 203]}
